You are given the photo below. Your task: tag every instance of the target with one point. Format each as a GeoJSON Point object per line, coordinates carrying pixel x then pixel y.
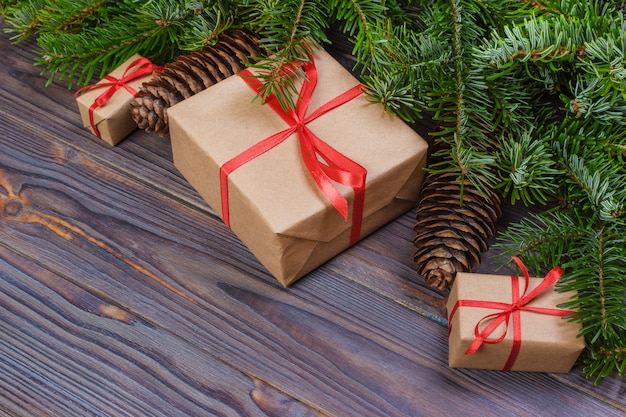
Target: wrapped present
{"type": "Point", "coordinates": [105, 106]}
{"type": "Point", "coordinates": [297, 187]}
{"type": "Point", "coordinates": [511, 323]}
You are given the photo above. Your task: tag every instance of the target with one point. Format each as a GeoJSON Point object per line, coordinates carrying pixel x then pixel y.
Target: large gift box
{"type": "Point", "coordinates": [298, 188]}
{"type": "Point", "coordinates": [511, 323]}
{"type": "Point", "coordinates": [105, 106]}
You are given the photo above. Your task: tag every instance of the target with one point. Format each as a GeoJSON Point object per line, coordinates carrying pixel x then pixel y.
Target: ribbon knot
{"type": "Point", "coordinates": [119, 83]}
{"type": "Point", "coordinates": [136, 69]}
{"type": "Point", "coordinates": [510, 312]}
{"type": "Point", "coordinates": [323, 162]}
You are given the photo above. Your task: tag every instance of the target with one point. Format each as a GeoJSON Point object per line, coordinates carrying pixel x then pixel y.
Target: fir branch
{"type": "Point", "coordinates": [527, 169]}
{"type": "Point", "coordinates": [596, 272]}
{"type": "Point", "coordinates": [605, 58]}
{"type": "Point", "coordinates": [609, 106]}
{"type": "Point", "coordinates": [22, 18]}
{"type": "Point", "coordinates": [462, 104]}
{"type": "Point", "coordinates": [603, 360]}
{"type": "Point", "coordinates": [405, 70]}
{"type": "Point", "coordinates": [594, 173]}
{"type": "Point", "coordinates": [593, 189]}
{"type": "Point", "coordinates": [286, 27]}
{"type": "Point", "coordinates": [154, 30]}
{"type": "Point", "coordinates": [542, 239]}
{"type": "Point", "coordinates": [359, 18]}
{"type": "Point", "coordinates": [587, 137]}
{"type": "Point", "coordinates": [4, 4]}
{"type": "Point", "coordinates": [66, 54]}
{"type": "Point", "coordinates": [205, 24]}
{"type": "Point", "coordinates": [70, 15]}
{"type": "Point", "coordinates": [459, 69]}
{"type": "Point", "coordinates": [558, 42]}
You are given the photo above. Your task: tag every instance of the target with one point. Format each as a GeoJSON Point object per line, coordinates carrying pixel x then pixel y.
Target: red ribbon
{"type": "Point", "coordinates": [141, 66]}
{"type": "Point", "coordinates": [324, 163]}
{"type": "Point", "coordinates": [519, 303]}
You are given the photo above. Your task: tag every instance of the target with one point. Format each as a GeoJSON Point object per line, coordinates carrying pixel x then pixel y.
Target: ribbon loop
{"type": "Point", "coordinates": [510, 312]}
{"type": "Point", "coordinates": [136, 69]}
{"type": "Point", "coordinates": [324, 163]}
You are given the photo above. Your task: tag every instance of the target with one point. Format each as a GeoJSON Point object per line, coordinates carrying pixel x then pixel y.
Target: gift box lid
{"type": "Point", "coordinates": [287, 196]}
{"type": "Point", "coordinates": [118, 102]}
{"type": "Point", "coordinates": [549, 342]}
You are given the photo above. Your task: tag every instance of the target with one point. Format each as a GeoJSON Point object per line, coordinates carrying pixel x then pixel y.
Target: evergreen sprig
{"type": "Point", "coordinates": [86, 37]}
{"type": "Point", "coordinates": [4, 4]}
{"type": "Point", "coordinates": [573, 51]}
{"type": "Point", "coordinates": [529, 171]}
{"type": "Point", "coordinates": [289, 28]}
{"type": "Point", "coordinates": [286, 27]}
{"type": "Point", "coordinates": [22, 17]}
{"type": "Point", "coordinates": [432, 67]}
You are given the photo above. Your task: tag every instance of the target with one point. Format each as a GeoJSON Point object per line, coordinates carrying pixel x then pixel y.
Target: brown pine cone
{"type": "Point", "coordinates": [450, 234]}
{"type": "Point", "coordinates": [190, 74]}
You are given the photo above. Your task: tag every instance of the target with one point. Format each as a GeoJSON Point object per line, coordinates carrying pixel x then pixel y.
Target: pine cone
{"type": "Point", "coordinates": [190, 74]}
{"type": "Point", "coordinates": [450, 234]}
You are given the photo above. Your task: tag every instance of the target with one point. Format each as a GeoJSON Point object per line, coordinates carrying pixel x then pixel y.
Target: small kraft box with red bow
{"type": "Point", "coordinates": [105, 106]}
{"type": "Point", "coordinates": [511, 323]}
{"type": "Point", "coordinates": [298, 187]}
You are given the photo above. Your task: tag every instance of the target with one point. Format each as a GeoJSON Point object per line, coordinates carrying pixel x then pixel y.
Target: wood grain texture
{"type": "Point", "coordinates": [73, 353]}
{"type": "Point", "coordinates": [121, 293]}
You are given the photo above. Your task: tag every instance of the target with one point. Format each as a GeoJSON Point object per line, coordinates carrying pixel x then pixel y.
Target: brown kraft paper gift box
{"type": "Point", "coordinates": [548, 343]}
{"type": "Point", "coordinates": [113, 119]}
{"type": "Point", "coordinates": [276, 208]}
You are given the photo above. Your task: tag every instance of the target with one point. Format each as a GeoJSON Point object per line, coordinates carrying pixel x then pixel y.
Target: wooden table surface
{"type": "Point", "coordinates": [123, 294]}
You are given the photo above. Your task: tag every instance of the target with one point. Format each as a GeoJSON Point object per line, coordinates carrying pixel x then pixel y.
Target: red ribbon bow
{"type": "Point", "coordinates": [519, 303]}
{"type": "Point", "coordinates": [141, 66]}
{"type": "Point", "coordinates": [331, 164]}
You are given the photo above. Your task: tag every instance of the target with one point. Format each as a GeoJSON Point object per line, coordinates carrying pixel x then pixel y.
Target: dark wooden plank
{"type": "Point", "coordinates": [68, 352]}
{"type": "Point", "coordinates": [387, 258]}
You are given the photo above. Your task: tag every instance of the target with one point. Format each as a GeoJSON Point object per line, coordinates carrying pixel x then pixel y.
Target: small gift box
{"type": "Point", "coordinates": [298, 187]}
{"type": "Point", "coordinates": [511, 323]}
{"type": "Point", "coordinates": [105, 106]}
